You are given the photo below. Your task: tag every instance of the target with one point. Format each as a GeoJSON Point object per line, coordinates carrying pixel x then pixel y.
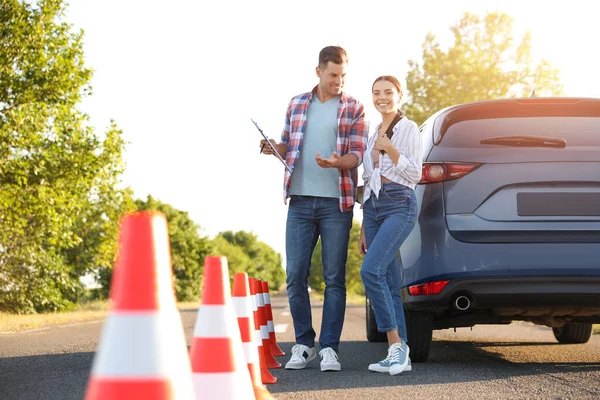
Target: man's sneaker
{"type": "Point", "coordinates": [301, 355]}
{"type": "Point", "coordinates": [400, 358]}
{"type": "Point", "coordinates": [408, 366]}
{"type": "Point", "coordinates": [391, 359]}
{"type": "Point", "coordinates": [329, 360]}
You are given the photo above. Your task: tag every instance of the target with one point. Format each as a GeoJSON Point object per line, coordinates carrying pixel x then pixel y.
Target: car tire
{"type": "Point", "coordinates": [573, 333]}
{"type": "Point", "coordinates": [419, 328]}
{"type": "Point", "coordinates": [373, 335]}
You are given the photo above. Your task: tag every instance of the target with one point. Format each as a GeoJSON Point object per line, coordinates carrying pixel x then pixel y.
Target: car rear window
{"type": "Point", "coordinates": [577, 131]}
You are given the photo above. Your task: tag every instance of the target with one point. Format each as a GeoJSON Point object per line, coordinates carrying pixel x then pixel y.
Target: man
{"type": "Point", "coordinates": [327, 122]}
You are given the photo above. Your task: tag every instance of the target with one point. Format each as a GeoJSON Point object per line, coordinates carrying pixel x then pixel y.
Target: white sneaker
{"type": "Point", "coordinates": [409, 366]}
{"type": "Point", "coordinates": [301, 355]}
{"type": "Point", "coordinates": [399, 358]}
{"type": "Point", "coordinates": [394, 363]}
{"type": "Point", "coordinates": [329, 360]}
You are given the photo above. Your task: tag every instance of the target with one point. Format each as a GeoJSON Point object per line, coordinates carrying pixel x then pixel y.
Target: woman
{"type": "Point", "coordinates": [392, 169]}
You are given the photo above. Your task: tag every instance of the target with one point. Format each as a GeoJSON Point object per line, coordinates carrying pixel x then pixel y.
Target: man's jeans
{"type": "Point", "coordinates": [387, 221]}
{"type": "Point", "coordinates": [308, 217]}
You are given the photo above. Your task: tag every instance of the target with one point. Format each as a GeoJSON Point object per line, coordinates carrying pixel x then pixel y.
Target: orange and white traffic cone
{"type": "Point", "coordinates": [275, 350]}
{"type": "Point", "coordinates": [265, 374]}
{"type": "Point", "coordinates": [142, 351]}
{"type": "Point", "coordinates": [264, 329]}
{"type": "Point", "coordinates": [218, 364]}
{"type": "Point", "coordinates": [242, 303]}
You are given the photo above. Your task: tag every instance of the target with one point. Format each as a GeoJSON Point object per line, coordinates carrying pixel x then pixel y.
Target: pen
{"type": "Point", "coordinates": [261, 149]}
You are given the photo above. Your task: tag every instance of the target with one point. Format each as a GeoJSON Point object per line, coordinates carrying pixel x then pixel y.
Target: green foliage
{"type": "Point", "coordinates": [353, 280]}
{"type": "Point", "coordinates": [60, 201]}
{"type": "Point", "coordinates": [97, 226]}
{"type": "Point", "coordinates": [485, 62]}
{"type": "Point", "coordinates": [53, 167]}
{"type": "Point", "coordinates": [246, 254]}
{"type": "Point", "coordinates": [188, 248]}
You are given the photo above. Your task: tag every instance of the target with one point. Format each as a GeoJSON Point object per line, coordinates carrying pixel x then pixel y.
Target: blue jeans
{"type": "Point", "coordinates": [308, 217]}
{"type": "Point", "coordinates": [387, 222]}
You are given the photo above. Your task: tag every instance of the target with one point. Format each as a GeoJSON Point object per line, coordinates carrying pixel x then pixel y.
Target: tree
{"type": "Point", "coordinates": [188, 248]}
{"type": "Point", "coordinates": [262, 261]}
{"type": "Point", "coordinates": [97, 226]}
{"type": "Point", "coordinates": [354, 262]}
{"type": "Point", "coordinates": [484, 62]}
{"type": "Point", "coordinates": [51, 163]}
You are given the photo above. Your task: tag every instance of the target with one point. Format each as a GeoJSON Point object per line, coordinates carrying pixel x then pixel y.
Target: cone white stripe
{"type": "Point", "coordinates": [251, 353]}
{"type": "Point", "coordinates": [254, 306]}
{"type": "Point", "coordinates": [242, 307]}
{"type": "Point", "coordinates": [223, 322]}
{"type": "Point", "coordinates": [224, 385]}
{"type": "Point", "coordinates": [267, 298]}
{"type": "Point", "coordinates": [270, 326]}
{"type": "Point", "coordinates": [143, 344]}
{"type": "Point", "coordinates": [264, 332]}
{"type": "Point", "coordinates": [260, 302]}
{"type": "Point", "coordinates": [258, 337]}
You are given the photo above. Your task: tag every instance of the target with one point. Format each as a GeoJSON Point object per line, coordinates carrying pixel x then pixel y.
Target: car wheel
{"type": "Point", "coordinates": [419, 328]}
{"type": "Point", "coordinates": [573, 333]}
{"type": "Point", "coordinates": [373, 335]}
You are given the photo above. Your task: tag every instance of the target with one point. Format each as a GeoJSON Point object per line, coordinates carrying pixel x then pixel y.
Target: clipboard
{"type": "Point", "coordinates": [271, 146]}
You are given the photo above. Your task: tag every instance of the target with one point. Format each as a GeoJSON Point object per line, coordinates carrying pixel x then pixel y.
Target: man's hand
{"type": "Point", "coordinates": [266, 149]}
{"type": "Point", "coordinates": [332, 162]}
{"type": "Point", "coordinates": [362, 243]}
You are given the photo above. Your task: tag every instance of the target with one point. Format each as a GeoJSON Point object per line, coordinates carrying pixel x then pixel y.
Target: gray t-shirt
{"type": "Point", "coordinates": [320, 136]}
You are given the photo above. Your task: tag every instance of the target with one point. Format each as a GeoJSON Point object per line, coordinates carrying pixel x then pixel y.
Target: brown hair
{"type": "Point", "coordinates": [392, 80]}
{"type": "Point", "coordinates": [335, 54]}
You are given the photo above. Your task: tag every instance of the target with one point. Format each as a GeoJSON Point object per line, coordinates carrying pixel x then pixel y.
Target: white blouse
{"type": "Point", "coordinates": [407, 140]}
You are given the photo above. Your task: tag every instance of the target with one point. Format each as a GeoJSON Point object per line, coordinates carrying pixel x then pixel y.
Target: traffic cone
{"type": "Point", "coordinates": [264, 330]}
{"type": "Point", "coordinates": [142, 350]}
{"type": "Point", "coordinates": [275, 350]}
{"type": "Point", "coordinates": [265, 374]}
{"type": "Point", "coordinates": [218, 365]}
{"type": "Point", "coordinates": [243, 308]}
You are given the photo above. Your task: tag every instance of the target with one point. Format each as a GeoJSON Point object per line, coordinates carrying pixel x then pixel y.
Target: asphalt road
{"type": "Point", "coordinates": [490, 362]}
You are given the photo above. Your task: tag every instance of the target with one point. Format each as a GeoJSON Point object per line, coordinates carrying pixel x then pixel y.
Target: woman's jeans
{"type": "Point", "coordinates": [308, 218]}
{"type": "Point", "coordinates": [387, 222]}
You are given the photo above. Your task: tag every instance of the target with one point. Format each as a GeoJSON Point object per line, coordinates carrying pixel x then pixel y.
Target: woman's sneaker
{"type": "Point", "coordinates": [400, 358]}
{"type": "Point", "coordinates": [301, 355]}
{"type": "Point", "coordinates": [396, 361]}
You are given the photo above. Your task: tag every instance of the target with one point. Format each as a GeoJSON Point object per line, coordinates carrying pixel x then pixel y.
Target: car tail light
{"type": "Point", "coordinates": [441, 172]}
{"type": "Point", "coordinates": [427, 288]}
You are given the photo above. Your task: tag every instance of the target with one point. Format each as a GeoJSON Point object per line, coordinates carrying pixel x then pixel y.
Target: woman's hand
{"type": "Point", "coordinates": [384, 143]}
{"type": "Point", "coordinates": [362, 243]}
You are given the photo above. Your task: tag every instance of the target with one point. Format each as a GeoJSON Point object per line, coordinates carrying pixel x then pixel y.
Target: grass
{"type": "Point", "coordinates": [96, 310]}
{"type": "Point", "coordinates": [22, 322]}
{"type": "Point", "coordinates": [90, 311]}
{"type": "Point", "coordinates": [351, 298]}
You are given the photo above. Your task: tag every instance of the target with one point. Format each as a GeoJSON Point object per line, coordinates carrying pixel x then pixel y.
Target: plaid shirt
{"type": "Point", "coordinates": [352, 137]}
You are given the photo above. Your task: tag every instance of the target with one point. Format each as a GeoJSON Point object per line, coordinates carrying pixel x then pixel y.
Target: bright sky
{"type": "Point", "coordinates": [183, 78]}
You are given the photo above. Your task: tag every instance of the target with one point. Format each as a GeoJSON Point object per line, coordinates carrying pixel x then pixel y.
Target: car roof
{"type": "Point", "coordinates": [516, 107]}
{"type": "Point", "coordinates": [522, 100]}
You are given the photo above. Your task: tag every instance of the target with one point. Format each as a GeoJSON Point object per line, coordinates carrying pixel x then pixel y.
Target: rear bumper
{"type": "Point", "coordinates": [515, 295]}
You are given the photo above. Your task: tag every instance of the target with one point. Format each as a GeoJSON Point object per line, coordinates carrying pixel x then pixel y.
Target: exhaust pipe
{"type": "Point", "coordinates": [462, 303]}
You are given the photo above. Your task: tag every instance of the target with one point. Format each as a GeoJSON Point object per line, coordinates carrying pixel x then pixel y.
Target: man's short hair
{"type": "Point", "coordinates": [335, 54]}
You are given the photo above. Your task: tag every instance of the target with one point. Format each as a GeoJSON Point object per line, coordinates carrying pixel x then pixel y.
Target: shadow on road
{"type": "Point", "coordinates": [47, 377]}
{"type": "Point", "coordinates": [450, 362]}
{"type": "Point", "coordinates": [64, 376]}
